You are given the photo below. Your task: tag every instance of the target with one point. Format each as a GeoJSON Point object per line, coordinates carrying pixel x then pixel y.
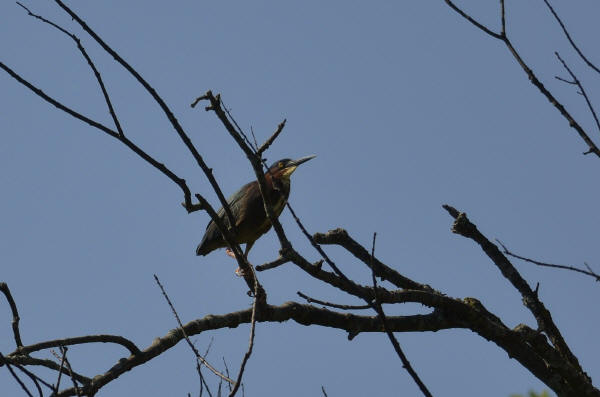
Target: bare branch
{"type": "Point", "coordinates": [564, 29]}
{"type": "Point", "coordinates": [187, 339]}
{"type": "Point", "coordinates": [63, 350]}
{"type": "Point", "coordinates": [473, 21]}
{"type": "Point", "coordinates": [271, 139]}
{"type": "Point", "coordinates": [271, 265]}
{"type": "Point", "coordinates": [15, 313]}
{"type": "Point", "coordinates": [15, 359]}
{"type": "Point", "coordinates": [502, 19]}
{"type": "Point", "coordinates": [15, 376]}
{"type": "Point", "coordinates": [342, 238]}
{"type": "Point", "coordinates": [572, 268]}
{"type": "Point", "coordinates": [380, 313]}
{"type": "Point", "coordinates": [71, 373]}
{"type": "Point", "coordinates": [169, 114]}
{"type": "Point", "coordinates": [465, 228]}
{"type": "Point", "coordinates": [581, 89]}
{"type": "Point", "coordinates": [248, 353]}
{"type": "Point", "coordinates": [533, 79]}
{"type": "Point", "coordinates": [302, 314]}
{"type": "Point", "coordinates": [334, 305]}
{"type": "Point", "coordinates": [78, 340]}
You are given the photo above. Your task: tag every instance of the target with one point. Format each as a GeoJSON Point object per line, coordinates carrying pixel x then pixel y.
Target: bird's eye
{"type": "Point", "coordinates": [280, 165]}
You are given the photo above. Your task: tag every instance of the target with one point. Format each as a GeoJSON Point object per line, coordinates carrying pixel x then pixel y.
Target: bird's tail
{"type": "Point", "coordinates": [203, 248]}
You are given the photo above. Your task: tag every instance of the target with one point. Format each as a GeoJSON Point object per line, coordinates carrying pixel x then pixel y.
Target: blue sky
{"type": "Point", "coordinates": [406, 105]}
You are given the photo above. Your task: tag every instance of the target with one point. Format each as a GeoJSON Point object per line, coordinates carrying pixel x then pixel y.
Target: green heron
{"type": "Point", "coordinates": [248, 209]}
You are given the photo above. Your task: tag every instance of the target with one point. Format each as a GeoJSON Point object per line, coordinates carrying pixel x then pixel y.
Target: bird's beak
{"type": "Point", "coordinates": [291, 167]}
{"type": "Point", "coordinates": [296, 163]}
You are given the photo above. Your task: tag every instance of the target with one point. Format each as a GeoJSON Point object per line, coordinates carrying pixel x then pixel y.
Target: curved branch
{"type": "Point", "coordinates": [302, 314]}
{"type": "Point", "coordinates": [13, 307]}
{"type": "Point", "coordinates": [79, 340]}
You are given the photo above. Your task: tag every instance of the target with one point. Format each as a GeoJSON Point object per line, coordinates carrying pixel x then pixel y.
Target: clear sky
{"type": "Point", "coordinates": [406, 105]}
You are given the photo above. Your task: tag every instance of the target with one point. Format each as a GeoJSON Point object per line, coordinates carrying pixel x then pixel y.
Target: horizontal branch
{"type": "Point", "coordinates": [27, 360]}
{"type": "Point", "coordinates": [302, 314]}
{"type": "Point", "coordinates": [588, 272]}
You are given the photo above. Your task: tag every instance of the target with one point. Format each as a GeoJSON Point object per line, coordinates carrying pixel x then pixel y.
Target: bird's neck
{"type": "Point", "coordinates": [281, 186]}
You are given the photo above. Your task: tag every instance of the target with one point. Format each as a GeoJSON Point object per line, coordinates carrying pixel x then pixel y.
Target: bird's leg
{"type": "Point", "coordinates": [239, 272]}
{"type": "Point", "coordinates": [229, 252]}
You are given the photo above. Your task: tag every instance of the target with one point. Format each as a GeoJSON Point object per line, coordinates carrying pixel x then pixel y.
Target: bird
{"type": "Point", "coordinates": [248, 211]}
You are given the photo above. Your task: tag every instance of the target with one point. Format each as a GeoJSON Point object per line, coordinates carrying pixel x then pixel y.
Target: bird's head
{"type": "Point", "coordinates": [283, 168]}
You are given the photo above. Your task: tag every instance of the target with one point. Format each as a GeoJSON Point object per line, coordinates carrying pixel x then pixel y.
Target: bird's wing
{"type": "Point", "coordinates": [236, 204]}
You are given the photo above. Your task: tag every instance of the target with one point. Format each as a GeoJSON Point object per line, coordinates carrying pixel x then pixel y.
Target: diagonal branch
{"type": "Point", "coordinates": [174, 122]}
{"type": "Point", "coordinates": [15, 376]}
{"type": "Point", "coordinates": [465, 228]}
{"type": "Point", "coordinates": [380, 313]}
{"type": "Point", "coordinates": [581, 89]}
{"type": "Point", "coordinates": [564, 29]}
{"type": "Point", "coordinates": [186, 337]}
{"type": "Point", "coordinates": [342, 238]}
{"type": "Point", "coordinates": [593, 148]}
{"type": "Point", "coordinates": [271, 139]}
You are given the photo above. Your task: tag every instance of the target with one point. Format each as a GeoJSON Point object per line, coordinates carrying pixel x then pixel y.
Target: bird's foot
{"type": "Point", "coordinates": [239, 272]}
{"type": "Point", "coordinates": [230, 253]}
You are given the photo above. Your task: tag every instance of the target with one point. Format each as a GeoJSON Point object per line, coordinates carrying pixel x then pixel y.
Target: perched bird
{"type": "Point", "coordinates": [248, 210]}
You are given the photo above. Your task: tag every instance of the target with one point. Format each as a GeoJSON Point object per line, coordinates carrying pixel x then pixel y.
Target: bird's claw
{"type": "Point", "coordinates": [239, 272]}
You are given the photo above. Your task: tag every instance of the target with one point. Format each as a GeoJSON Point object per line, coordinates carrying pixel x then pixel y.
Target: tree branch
{"type": "Point", "coordinates": [572, 268]}
{"type": "Point", "coordinates": [564, 29]}
{"type": "Point", "coordinates": [532, 77]}
{"type": "Point", "coordinates": [465, 228]}
{"type": "Point", "coordinates": [15, 313]}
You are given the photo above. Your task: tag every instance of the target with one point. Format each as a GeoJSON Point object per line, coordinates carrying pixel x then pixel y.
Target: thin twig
{"type": "Point", "coordinates": [271, 139]}
{"type": "Point", "coordinates": [189, 342]}
{"type": "Point", "coordinates": [566, 267]}
{"type": "Point", "coordinates": [373, 304]}
{"type": "Point", "coordinates": [581, 89]}
{"type": "Point", "coordinates": [35, 379]}
{"type": "Point", "coordinates": [72, 374]}
{"type": "Point", "coordinates": [564, 29]}
{"type": "Point", "coordinates": [323, 390]}
{"type": "Point", "coordinates": [502, 18]}
{"type": "Point", "coordinates": [239, 129]}
{"type": "Point", "coordinates": [227, 372]}
{"type": "Point", "coordinates": [15, 376]}
{"type": "Point", "coordinates": [238, 381]}
{"type": "Point", "coordinates": [174, 123]}
{"type": "Point", "coordinates": [334, 305]}
{"type": "Point", "coordinates": [62, 365]}
{"type": "Point", "coordinates": [381, 314]}
{"type": "Point", "coordinates": [593, 148]}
